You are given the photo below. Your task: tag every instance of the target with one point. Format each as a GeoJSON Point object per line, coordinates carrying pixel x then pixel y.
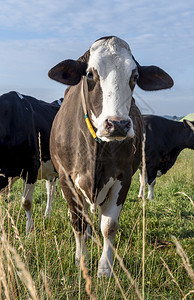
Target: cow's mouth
{"type": "Point", "coordinates": [116, 129]}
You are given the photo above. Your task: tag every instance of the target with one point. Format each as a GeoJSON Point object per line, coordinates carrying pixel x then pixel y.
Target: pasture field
{"type": "Point", "coordinates": [41, 266]}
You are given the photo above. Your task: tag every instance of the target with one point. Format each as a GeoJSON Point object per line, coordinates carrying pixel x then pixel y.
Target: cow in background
{"type": "Point", "coordinates": [165, 139]}
{"type": "Point", "coordinates": [22, 153]}
{"type": "Point", "coordinates": [96, 137]}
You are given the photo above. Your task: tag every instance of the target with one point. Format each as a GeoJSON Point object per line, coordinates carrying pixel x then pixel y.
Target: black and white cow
{"type": "Point", "coordinates": [165, 139]}
{"type": "Point", "coordinates": [22, 120]}
{"type": "Point", "coordinates": [96, 137]}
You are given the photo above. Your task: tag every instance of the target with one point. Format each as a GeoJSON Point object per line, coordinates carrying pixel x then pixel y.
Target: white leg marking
{"type": "Point", "coordinates": [140, 195]}
{"type": "Point", "coordinates": [109, 223]}
{"type": "Point", "coordinates": [151, 189]}
{"type": "Point", "coordinates": [26, 201]}
{"type": "Point", "coordinates": [80, 247]}
{"type": "Point", "coordinates": [50, 186]}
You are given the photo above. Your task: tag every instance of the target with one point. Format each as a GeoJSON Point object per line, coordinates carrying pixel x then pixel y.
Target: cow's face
{"type": "Point", "coordinates": [111, 73]}
{"type": "Point", "coordinates": [111, 64]}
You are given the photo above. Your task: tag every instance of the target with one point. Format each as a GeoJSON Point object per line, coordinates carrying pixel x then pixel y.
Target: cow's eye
{"type": "Point", "coordinates": [89, 75]}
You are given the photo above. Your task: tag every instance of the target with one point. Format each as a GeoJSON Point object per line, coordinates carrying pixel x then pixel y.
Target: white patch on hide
{"type": "Point", "coordinates": [83, 192]}
{"type": "Point", "coordinates": [47, 171]}
{"type": "Point", "coordinates": [110, 212]}
{"type": "Point", "coordinates": [104, 191]}
{"type": "Point", "coordinates": [151, 190]}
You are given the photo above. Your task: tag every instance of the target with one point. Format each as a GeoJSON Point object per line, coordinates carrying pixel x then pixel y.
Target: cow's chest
{"type": "Point", "coordinates": [111, 164]}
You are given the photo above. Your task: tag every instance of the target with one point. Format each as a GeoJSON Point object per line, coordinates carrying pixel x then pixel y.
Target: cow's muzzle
{"type": "Point", "coordinates": [115, 127]}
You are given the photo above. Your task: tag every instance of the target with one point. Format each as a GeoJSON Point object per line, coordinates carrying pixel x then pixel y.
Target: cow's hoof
{"type": "Point", "coordinates": [150, 198]}
{"type": "Point", "coordinates": [47, 215]}
{"type": "Point", "coordinates": [104, 272]}
{"type": "Point", "coordinates": [29, 228]}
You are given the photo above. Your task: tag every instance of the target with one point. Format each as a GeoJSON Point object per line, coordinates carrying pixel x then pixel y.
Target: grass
{"type": "Point", "coordinates": [41, 266]}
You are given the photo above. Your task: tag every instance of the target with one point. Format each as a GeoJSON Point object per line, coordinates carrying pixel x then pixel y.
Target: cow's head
{"type": "Point", "coordinates": [112, 73]}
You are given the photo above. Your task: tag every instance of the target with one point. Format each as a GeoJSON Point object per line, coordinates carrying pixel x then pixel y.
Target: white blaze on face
{"type": "Point", "coordinates": [113, 61]}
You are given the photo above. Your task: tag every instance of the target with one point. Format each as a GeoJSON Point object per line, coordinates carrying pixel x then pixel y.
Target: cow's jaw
{"type": "Point", "coordinates": [114, 64]}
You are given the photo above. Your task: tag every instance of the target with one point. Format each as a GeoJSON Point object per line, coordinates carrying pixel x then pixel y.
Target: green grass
{"type": "Point", "coordinates": [48, 253]}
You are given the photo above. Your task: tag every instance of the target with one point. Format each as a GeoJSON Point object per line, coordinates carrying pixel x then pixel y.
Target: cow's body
{"type": "Point", "coordinates": [165, 139]}
{"type": "Point", "coordinates": [93, 173]}
{"type": "Point", "coordinates": [22, 120]}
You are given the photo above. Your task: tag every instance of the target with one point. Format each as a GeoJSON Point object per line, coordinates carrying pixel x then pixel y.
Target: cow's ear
{"type": "Point", "coordinates": [68, 72]}
{"type": "Point", "coordinates": [152, 78]}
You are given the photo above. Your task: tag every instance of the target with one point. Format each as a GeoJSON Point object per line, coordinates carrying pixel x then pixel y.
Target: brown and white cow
{"type": "Point", "coordinates": [91, 172]}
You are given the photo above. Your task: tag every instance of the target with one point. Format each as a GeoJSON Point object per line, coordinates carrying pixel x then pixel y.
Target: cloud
{"type": "Point", "coordinates": [31, 14]}
{"type": "Point", "coordinates": [35, 35]}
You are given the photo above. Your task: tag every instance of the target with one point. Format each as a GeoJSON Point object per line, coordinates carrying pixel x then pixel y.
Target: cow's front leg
{"type": "Point", "coordinates": [142, 183]}
{"type": "Point", "coordinates": [81, 231]}
{"type": "Point", "coordinates": [151, 190]}
{"type": "Point", "coordinates": [78, 221]}
{"type": "Point", "coordinates": [110, 212]}
{"type": "Point", "coordinates": [50, 186]}
{"type": "Point", "coordinates": [81, 249]}
{"type": "Point", "coordinates": [27, 201]}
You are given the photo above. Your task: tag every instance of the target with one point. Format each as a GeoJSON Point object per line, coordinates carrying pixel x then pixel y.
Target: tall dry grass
{"type": "Point", "coordinates": [42, 265]}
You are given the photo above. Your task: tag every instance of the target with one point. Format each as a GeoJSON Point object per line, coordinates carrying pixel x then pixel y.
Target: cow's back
{"type": "Point", "coordinates": [12, 118]}
{"type": "Point", "coordinates": [42, 116]}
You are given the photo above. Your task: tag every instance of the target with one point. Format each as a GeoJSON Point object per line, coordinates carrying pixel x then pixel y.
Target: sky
{"type": "Point", "coordinates": [36, 35]}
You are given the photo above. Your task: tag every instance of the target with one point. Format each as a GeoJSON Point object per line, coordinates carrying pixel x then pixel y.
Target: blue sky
{"type": "Point", "coordinates": [36, 35]}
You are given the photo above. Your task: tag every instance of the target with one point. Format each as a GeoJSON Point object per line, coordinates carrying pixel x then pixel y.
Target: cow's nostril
{"type": "Point", "coordinates": [127, 124]}
{"type": "Point", "coordinates": [117, 127]}
{"type": "Point", "coordinates": [109, 125]}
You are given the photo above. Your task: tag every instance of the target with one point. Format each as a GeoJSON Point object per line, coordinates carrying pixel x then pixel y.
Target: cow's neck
{"type": "Point", "coordinates": [84, 100]}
